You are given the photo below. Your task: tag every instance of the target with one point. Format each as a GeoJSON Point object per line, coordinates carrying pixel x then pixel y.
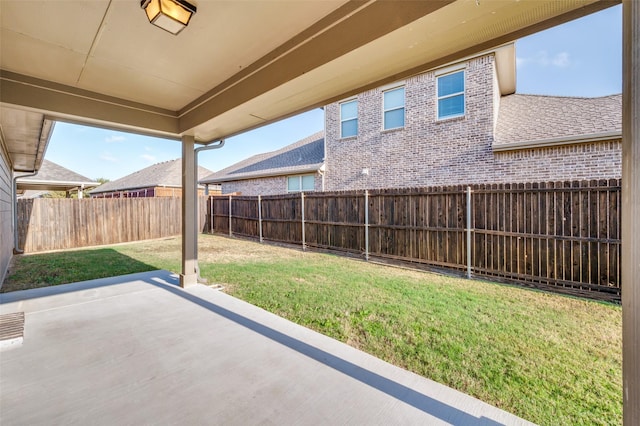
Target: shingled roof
{"type": "Point", "coordinates": [306, 155]}
{"type": "Point", "coordinates": [527, 119]}
{"type": "Point", "coordinates": [54, 177]}
{"type": "Point", "coordinates": [168, 174]}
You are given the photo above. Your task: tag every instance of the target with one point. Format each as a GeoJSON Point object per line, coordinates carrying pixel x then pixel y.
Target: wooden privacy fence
{"type": "Point", "coordinates": [54, 224]}
{"type": "Point", "coordinates": [560, 236]}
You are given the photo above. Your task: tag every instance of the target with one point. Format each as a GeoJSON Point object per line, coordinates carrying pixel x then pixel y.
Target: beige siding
{"type": "Point", "coordinates": [6, 227]}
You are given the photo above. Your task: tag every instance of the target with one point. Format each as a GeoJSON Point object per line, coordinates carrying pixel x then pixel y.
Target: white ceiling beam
{"type": "Point", "coordinates": [77, 105]}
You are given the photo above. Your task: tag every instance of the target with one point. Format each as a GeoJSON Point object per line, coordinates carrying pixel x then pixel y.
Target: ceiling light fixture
{"type": "Point", "coordinates": [170, 15]}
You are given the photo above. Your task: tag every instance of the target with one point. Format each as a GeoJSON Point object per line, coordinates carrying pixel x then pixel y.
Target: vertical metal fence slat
{"type": "Point", "coordinates": [366, 225]}
{"type": "Point", "coordinates": [260, 217]}
{"type": "Point", "coordinates": [468, 232]}
{"type": "Point", "coordinates": [304, 245]}
{"type": "Point", "coordinates": [211, 210]}
{"type": "Point", "coordinates": [230, 217]}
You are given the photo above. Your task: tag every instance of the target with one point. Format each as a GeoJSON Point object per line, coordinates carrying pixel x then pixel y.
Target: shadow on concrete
{"type": "Point", "coordinates": [396, 390]}
{"type": "Point", "coordinates": [169, 282]}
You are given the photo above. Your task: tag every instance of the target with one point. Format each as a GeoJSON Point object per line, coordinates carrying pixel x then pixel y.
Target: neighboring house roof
{"type": "Point", "coordinates": [54, 177]}
{"type": "Point", "coordinates": [534, 120]}
{"type": "Point", "coordinates": [167, 174]}
{"type": "Point", "coordinates": [306, 155]}
{"type": "Point", "coordinates": [32, 193]}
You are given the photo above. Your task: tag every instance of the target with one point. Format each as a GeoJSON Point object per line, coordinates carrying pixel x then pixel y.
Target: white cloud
{"type": "Point", "coordinates": [543, 59]}
{"type": "Point", "coordinates": [108, 157]}
{"type": "Point", "coordinates": [561, 60]}
{"type": "Point", "coordinates": [114, 138]}
{"type": "Point", "coordinates": [148, 148]}
{"type": "Point", "coordinates": [148, 157]}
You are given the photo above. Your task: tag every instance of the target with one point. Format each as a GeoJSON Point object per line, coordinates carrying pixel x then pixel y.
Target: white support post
{"type": "Point", "coordinates": [230, 231]}
{"type": "Point", "coordinates": [260, 216]}
{"type": "Point", "coordinates": [468, 232]}
{"type": "Point", "coordinates": [631, 212]}
{"type": "Point", "coordinates": [366, 225]}
{"type": "Point", "coordinates": [189, 275]}
{"type": "Point", "coordinates": [304, 243]}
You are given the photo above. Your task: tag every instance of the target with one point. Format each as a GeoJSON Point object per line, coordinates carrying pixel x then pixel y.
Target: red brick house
{"type": "Point", "coordinates": [159, 180]}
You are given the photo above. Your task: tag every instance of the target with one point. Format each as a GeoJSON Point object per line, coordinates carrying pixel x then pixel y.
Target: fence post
{"type": "Point", "coordinates": [260, 216]}
{"type": "Point", "coordinates": [211, 220]}
{"type": "Point", "coordinates": [468, 232]}
{"type": "Point", "coordinates": [230, 233]}
{"type": "Point", "coordinates": [366, 224]}
{"type": "Point", "coordinates": [304, 245]}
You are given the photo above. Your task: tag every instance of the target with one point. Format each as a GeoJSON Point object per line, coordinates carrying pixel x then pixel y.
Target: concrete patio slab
{"type": "Point", "coordinates": [139, 349]}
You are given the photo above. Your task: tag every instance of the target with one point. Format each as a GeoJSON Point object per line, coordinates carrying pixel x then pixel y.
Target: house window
{"type": "Point", "coordinates": [393, 108]}
{"type": "Point", "coordinates": [451, 95]}
{"type": "Point", "coordinates": [302, 183]}
{"type": "Point", "coordinates": [349, 119]}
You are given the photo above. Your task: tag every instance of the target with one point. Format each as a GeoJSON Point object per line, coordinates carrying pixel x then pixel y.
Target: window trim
{"type": "Point", "coordinates": [289, 191]}
{"type": "Point", "coordinates": [448, 72]}
{"type": "Point", "coordinates": [342, 120]}
{"type": "Point", "coordinates": [403, 107]}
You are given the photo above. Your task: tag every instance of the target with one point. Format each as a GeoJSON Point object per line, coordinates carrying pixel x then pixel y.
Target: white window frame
{"type": "Point", "coordinates": [446, 73]}
{"type": "Point", "coordinates": [403, 107]}
{"type": "Point", "coordinates": [300, 183]}
{"type": "Point", "coordinates": [342, 119]}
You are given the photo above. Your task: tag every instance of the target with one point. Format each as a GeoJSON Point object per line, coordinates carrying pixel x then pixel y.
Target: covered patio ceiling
{"type": "Point", "coordinates": [243, 64]}
{"type": "Point", "coordinates": [239, 64]}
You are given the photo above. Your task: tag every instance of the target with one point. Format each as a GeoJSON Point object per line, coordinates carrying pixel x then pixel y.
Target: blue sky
{"type": "Point", "coordinates": [580, 58]}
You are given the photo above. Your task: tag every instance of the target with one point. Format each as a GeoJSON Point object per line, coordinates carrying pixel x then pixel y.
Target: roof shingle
{"type": "Point", "coordinates": [52, 172]}
{"type": "Point", "coordinates": [168, 173]}
{"type": "Point", "coordinates": [528, 118]}
{"type": "Point", "coordinates": [304, 155]}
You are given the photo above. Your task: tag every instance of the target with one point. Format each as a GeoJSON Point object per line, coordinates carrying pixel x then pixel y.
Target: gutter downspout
{"type": "Point", "coordinates": [14, 208]}
{"type": "Point", "coordinates": [207, 147]}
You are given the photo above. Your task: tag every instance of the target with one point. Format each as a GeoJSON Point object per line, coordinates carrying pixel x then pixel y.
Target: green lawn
{"type": "Point", "coordinates": [550, 359]}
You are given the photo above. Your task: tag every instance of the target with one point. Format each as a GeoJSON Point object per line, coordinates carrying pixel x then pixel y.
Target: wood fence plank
{"type": "Point", "coordinates": [556, 235]}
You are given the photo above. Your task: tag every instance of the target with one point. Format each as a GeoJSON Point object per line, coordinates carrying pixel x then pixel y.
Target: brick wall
{"type": "Point", "coordinates": [597, 160]}
{"type": "Point", "coordinates": [264, 186]}
{"type": "Point", "coordinates": [429, 152]}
